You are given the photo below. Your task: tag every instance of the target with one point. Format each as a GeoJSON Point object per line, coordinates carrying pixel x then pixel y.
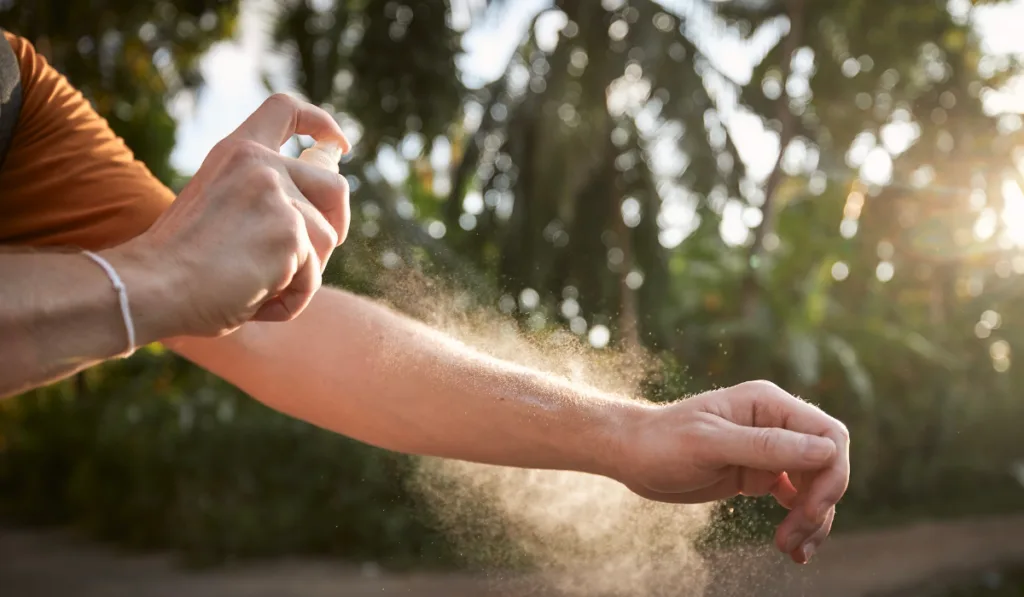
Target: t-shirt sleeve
{"type": "Point", "coordinates": [68, 180]}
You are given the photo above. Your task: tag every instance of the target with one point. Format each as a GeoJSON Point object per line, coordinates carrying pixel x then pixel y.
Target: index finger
{"type": "Point", "coordinates": [326, 190]}
{"type": "Point", "coordinates": [774, 407]}
{"type": "Point", "coordinates": [281, 116]}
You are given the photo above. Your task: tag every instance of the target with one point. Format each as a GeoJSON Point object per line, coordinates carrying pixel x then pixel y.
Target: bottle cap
{"type": "Point", "coordinates": [326, 154]}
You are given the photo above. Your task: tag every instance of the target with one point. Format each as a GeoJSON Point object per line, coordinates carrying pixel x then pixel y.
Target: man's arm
{"type": "Point", "coordinates": [357, 368]}
{"type": "Point", "coordinates": [360, 369]}
{"type": "Point", "coordinates": [59, 313]}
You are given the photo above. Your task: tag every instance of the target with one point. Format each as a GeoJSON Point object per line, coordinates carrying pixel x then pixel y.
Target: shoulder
{"type": "Point", "coordinates": [68, 179]}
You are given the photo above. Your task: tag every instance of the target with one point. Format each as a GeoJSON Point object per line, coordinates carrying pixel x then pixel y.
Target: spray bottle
{"type": "Point", "coordinates": [326, 154]}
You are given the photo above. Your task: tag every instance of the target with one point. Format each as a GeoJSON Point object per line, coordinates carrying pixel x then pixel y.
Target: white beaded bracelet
{"type": "Point", "coordinates": [122, 296]}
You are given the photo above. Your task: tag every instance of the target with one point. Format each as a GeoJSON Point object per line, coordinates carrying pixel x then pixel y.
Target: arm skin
{"type": "Point", "coordinates": [359, 369]}
{"type": "Point", "coordinates": [48, 333]}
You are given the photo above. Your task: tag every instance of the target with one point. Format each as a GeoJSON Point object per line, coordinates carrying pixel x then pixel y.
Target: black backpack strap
{"type": "Point", "coordinates": [10, 95]}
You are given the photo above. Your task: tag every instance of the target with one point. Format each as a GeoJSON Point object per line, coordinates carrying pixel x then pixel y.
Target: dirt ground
{"type": "Point", "coordinates": [876, 563]}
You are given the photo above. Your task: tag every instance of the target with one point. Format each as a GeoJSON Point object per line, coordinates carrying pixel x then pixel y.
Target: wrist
{"type": "Point", "coordinates": [152, 286]}
{"type": "Point", "coordinates": [619, 429]}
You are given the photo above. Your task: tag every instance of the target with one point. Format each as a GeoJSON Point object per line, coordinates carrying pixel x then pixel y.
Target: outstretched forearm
{"type": "Point", "coordinates": [357, 368]}
{"type": "Point", "coordinates": [59, 313]}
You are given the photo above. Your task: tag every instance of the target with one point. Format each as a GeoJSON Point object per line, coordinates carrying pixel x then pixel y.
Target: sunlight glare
{"type": "Point", "coordinates": [899, 135]}
{"type": "Point", "coordinates": [1013, 212]}
{"type": "Point", "coordinates": [885, 271]}
{"type": "Point", "coordinates": [599, 336]}
{"type": "Point", "coordinates": [985, 225]}
{"type": "Point", "coordinates": [548, 26]}
{"type": "Point", "coordinates": [877, 166]}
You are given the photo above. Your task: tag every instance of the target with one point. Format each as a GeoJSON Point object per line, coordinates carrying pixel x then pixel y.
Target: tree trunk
{"type": "Point", "coordinates": [750, 291]}
{"type": "Point", "coordinates": [462, 171]}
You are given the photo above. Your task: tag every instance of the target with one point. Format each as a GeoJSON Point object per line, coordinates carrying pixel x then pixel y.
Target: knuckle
{"type": "Point", "coordinates": [765, 392]}
{"type": "Point", "coordinates": [282, 99]}
{"type": "Point", "coordinates": [264, 178]}
{"type": "Point", "coordinates": [247, 150]}
{"type": "Point", "coordinates": [336, 196]}
{"type": "Point", "coordinates": [341, 185]}
{"type": "Point", "coordinates": [699, 432]}
{"type": "Point", "coordinates": [340, 215]}
{"type": "Point", "coordinates": [323, 237]}
{"type": "Point", "coordinates": [332, 236]}
{"type": "Point", "coordinates": [317, 224]}
{"type": "Point", "coordinates": [762, 387]}
{"type": "Point", "coordinates": [295, 227]}
{"type": "Point", "coordinates": [222, 147]}
{"type": "Point", "coordinates": [843, 432]}
{"type": "Point", "coordinates": [764, 441]}
{"type": "Point", "coordinates": [288, 230]}
{"type": "Point", "coordinates": [239, 151]}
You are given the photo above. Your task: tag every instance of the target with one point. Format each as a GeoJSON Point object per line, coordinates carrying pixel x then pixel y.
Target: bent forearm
{"type": "Point", "coordinates": [59, 314]}
{"type": "Point", "coordinates": [359, 369]}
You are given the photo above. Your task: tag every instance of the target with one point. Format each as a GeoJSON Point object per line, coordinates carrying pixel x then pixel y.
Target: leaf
{"type": "Point", "coordinates": [816, 299]}
{"type": "Point", "coordinates": [857, 376]}
{"type": "Point", "coordinates": [804, 356]}
{"type": "Point", "coordinates": [916, 343]}
{"type": "Point", "coordinates": [955, 40]}
{"type": "Point", "coordinates": [790, 189]}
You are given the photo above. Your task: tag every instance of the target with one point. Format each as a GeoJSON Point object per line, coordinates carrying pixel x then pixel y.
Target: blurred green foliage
{"type": "Point", "coordinates": [879, 297]}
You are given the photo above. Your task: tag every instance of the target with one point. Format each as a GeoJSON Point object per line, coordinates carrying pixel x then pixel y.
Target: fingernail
{"type": "Point", "coordinates": [819, 449]}
{"type": "Point", "coordinates": [808, 551]}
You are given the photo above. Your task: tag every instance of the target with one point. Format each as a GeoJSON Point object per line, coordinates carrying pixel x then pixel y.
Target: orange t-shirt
{"type": "Point", "coordinates": [68, 180]}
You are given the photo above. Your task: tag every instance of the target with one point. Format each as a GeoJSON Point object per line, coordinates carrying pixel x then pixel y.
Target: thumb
{"type": "Point", "coordinates": [772, 449]}
{"type": "Point", "coordinates": [281, 116]}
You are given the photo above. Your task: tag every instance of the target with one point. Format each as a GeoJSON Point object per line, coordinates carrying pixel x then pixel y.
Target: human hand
{"type": "Point", "coordinates": [752, 439]}
{"type": "Point", "coordinates": [248, 237]}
